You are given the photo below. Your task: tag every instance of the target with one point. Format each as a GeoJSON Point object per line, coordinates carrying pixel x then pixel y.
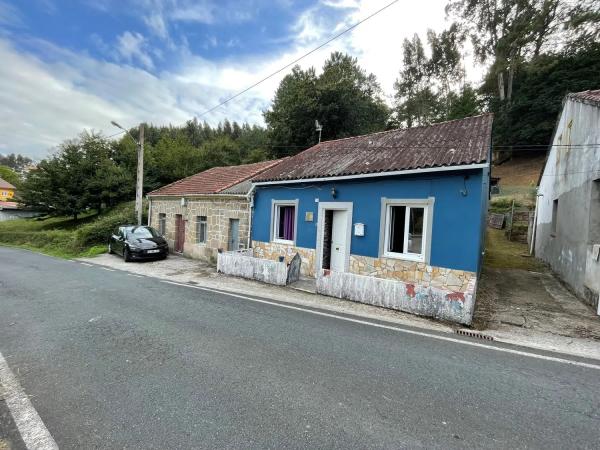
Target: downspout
{"type": "Point", "coordinates": [149, 211]}
{"type": "Point", "coordinates": [250, 199]}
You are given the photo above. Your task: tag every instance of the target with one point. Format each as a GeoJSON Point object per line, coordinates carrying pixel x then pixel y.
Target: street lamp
{"type": "Point", "coordinates": [140, 169]}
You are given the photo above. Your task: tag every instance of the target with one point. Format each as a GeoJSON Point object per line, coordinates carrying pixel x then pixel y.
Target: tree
{"type": "Point", "coordinates": [540, 88]}
{"type": "Point", "coordinates": [81, 174]}
{"type": "Point", "coordinates": [291, 118]}
{"type": "Point", "coordinates": [510, 32]}
{"type": "Point", "coordinates": [18, 163]}
{"type": "Point", "coordinates": [345, 99]}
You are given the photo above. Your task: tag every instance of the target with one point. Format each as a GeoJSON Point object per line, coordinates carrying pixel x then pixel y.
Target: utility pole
{"type": "Point", "coordinates": [139, 184]}
{"type": "Point", "coordinates": [140, 176]}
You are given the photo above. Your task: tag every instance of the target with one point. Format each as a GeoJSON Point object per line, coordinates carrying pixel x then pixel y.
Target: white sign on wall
{"type": "Point", "coordinates": [359, 229]}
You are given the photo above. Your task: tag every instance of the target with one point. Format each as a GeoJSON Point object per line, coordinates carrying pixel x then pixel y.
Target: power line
{"type": "Point", "coordinates": [299, 58]}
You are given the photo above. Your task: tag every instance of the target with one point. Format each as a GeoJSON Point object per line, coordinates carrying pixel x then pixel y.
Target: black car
{"type": "Point", "coordinates": [133, 242]}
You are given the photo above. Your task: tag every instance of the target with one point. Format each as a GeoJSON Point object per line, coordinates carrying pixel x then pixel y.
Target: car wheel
{"type": "Point", "coordinates": [126, 255]}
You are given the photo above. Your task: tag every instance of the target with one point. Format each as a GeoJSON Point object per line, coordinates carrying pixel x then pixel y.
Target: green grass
{"type": "Point", "coordinates": [64, 237]}
{"type": "Point", "coordinates": [500, 253]}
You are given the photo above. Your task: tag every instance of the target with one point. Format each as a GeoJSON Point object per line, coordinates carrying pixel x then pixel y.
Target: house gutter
{"type": "Point", "coordinates": [149, 210]}
{"type": "Point", "coordinates": [375, 175]}
{"type": "Point", "coordinates": [250, 199]}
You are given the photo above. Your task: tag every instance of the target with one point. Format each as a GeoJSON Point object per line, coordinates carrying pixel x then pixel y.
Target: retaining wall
{"type": "Point", "coordinates": [244, 264]}
{"type": "Point", "coordinates": [455, 306]}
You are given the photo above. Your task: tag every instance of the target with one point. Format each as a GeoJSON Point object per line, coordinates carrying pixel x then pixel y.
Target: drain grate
{"type": "Point", "coordinates": [474, 335]}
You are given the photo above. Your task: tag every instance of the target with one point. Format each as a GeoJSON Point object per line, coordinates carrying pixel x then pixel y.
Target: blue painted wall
{"type": "Point", "coordinates": [457, 220]}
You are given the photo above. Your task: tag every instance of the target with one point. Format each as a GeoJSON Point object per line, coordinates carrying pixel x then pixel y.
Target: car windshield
{"type": "Point", "coordinates": [143, 233]}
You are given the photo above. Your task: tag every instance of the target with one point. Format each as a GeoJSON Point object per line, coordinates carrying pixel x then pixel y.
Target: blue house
{"type": "Point", "coordinates": [395, 218]}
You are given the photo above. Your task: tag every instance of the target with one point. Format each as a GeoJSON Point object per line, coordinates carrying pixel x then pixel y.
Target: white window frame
{"type": "Point", "coordinates": [198, 225]}
{"type": "Point", "coordinates": [385, 230]}
{"type": "Point", "coordinates": [275, 207]}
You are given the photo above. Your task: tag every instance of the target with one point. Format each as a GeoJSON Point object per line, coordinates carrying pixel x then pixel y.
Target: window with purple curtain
{"type": "Point", "coordinates": [286, 218]}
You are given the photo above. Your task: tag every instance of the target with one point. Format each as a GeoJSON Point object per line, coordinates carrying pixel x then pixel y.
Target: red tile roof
{"type": "Point", "coordinates": [592, 97]}
{"type": "Point", "coordinates": [452, 143]}
{"type": "Point", "coordinates": [215, 180]}
{"type": "Point", "coordinates": [5, 184]}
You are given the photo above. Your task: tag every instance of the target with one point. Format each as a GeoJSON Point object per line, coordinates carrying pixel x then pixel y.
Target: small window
{"type": "Point", "coordinates": [284, 223]}
{"type": "Point", "coordinates": [162, 223]}
{"type": "Point", "coordinates": [405, 231]}
{"type": "Point", "coordinates": [201, 230]}
{"type": "Point", "coordinates": [554, 216]}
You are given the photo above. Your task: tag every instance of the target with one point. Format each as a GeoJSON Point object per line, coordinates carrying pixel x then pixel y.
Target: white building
{"type": "Point", "coordinates": [568, 219]}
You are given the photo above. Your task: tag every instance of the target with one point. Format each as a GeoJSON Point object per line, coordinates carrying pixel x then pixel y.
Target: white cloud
{"type": "Point", "coordinates": [48, 100]}
{"type": "Point", "coordinates": [131, 46]}
{"type": "Point", "coordinates": [156, 23]}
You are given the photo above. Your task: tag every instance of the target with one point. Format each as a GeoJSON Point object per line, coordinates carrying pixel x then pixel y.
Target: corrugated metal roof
{"type": "Point", "coordinates": [452, 143]}
{"type": "Point", "coordinates": [591, 97]}
{"type": "Point", "coordinates": [5, 184]}
{"type": "Point", "coordinates": [214, 181]}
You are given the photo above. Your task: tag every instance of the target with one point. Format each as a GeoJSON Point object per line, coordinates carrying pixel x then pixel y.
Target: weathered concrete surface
{"type": "Point", "coordinates": [416, 299]}
{"type": "Point", "coordinates": [245, 265]}
{"type": "Point", "coordinates": [572, 177]}
{"type": "Point", "coordinates": [523, 304]}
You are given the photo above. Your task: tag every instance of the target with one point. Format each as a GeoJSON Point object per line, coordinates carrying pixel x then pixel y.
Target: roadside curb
{"type": "Point", "coordinates": [33, 432]}
{"type": "Point", "coordinates": [415, 322]}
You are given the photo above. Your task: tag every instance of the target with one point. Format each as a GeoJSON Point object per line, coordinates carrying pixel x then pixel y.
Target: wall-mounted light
{"type": "Point", "coordinates": [333, 192]}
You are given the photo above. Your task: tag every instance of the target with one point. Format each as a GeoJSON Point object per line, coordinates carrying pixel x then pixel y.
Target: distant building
{"type": "Point", "coordinates": [13, 210]}
{"type": "Point", "coordinates": [7, 191]}
{"type": "Point", "coordinates": [568, 218]}
{"type": "Point", "coordinates": [205, 212]}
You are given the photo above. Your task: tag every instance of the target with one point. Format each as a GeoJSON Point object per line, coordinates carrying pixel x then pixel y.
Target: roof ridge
{"type": "Point", "coordinates": [401, 129]}
{"type": "Point", "coordinates": [215, 168]}
{"type": "Point", "coordinates": [273, 163]}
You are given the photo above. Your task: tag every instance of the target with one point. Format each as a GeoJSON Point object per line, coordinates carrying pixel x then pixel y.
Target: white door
{"type": "Point", "coordinates": [339, 246]}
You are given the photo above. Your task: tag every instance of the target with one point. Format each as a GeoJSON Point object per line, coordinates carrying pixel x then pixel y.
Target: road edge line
{"type": "Point", "coordinates": [33, 432]}
{"type": "Point", "coordinates": [397, 328]}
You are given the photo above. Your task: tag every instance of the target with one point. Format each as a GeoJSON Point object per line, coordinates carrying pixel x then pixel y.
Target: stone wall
{"type": "Point", "coordinates": [272, 250]}
{"type": "Point", "coordinates": [386, 268]}
{"type": "Point", "coordinates": [217, 209]}
{"type": "Point", "coordinates": [412, 272]}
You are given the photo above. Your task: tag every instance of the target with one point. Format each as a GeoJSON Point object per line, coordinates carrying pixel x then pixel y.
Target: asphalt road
{"type": "Point", "coordinates": [110, 360]}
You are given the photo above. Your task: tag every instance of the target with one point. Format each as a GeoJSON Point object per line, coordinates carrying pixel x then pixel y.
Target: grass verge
{"type": "Point", "coordinates": [500, 253]}
{"type": "Point", "coordinates": [64, 237]}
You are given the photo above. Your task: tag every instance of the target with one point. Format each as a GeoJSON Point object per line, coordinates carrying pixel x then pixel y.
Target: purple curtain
{"type": "Point", "coordinates": [288, 223]}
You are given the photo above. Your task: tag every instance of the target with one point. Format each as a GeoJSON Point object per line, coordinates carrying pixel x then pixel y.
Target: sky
{"type": "Point", "coordinates": [70, 65]}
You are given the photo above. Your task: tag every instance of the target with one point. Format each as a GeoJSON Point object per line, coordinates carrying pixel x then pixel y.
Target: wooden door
{"type": "Point", "coordinates": [179, 233]}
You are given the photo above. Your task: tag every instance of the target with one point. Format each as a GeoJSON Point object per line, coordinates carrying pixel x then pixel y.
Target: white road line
{"type": "Point", "coordinates": [34, 433]}
{"type": "Point", "coordinates": [399, 329]}
{"type": "Point", "coordinates": [86, 264]}
{"type": "Point", "coordinates": [106, 268]}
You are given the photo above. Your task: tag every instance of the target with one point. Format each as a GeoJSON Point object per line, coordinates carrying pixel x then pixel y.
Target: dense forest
{"type": "Point", "coordinates": [536, 51]}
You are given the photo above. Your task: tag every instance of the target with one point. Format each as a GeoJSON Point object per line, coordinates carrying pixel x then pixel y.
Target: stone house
{"type": "Point", "coordinates": [567, 232]}
{"type": "Point", "coordinates": [205, 212]}
{"type": "Point", "coordinates": [395, 218]}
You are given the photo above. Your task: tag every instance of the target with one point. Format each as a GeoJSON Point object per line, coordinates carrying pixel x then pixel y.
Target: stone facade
{"type": "Point", "coordinates": [272, 250]}
{"type": "Point", "coordinates": [387, 268]}
{"type": "Point", "coordinates": [218, 209]}
{"type": "Point", "coordinates": [412, 272]}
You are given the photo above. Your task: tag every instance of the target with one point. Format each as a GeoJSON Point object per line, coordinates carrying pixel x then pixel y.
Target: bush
{"type": "Point", "coordinates": [98, 231]}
